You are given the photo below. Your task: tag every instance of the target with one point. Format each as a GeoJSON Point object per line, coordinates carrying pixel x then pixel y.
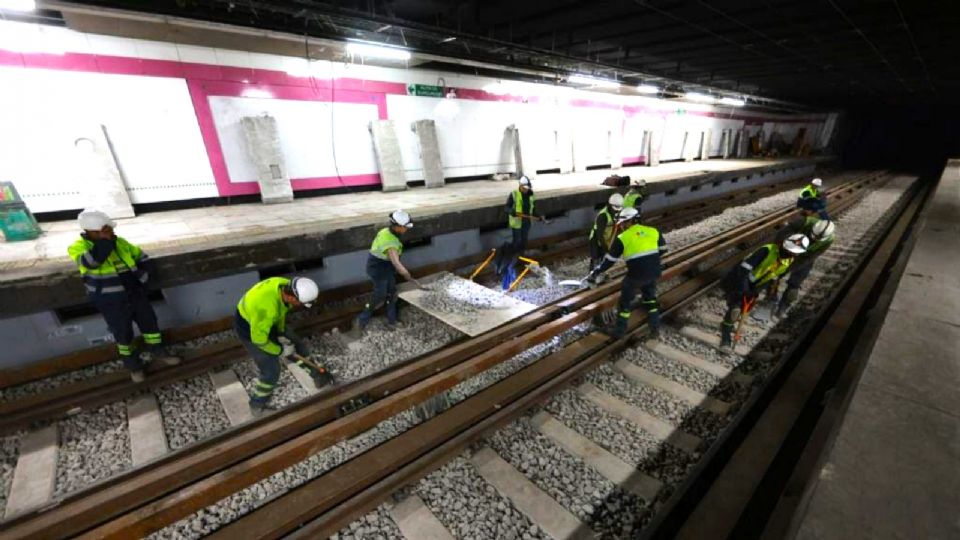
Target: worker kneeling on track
{"type": "Point", "coordinates": [813, 199]}
{"type": "Point", "coordinates": [116, 276]}
{"type": "Point", "coordinates": [822, 233]}
{"type": "Point", "coordinates": [640, 246]}
{"type": "Point", "coordinates": [383, 265]}
{"type": "Point", "coordinates": [758, 272]}
{"type": "Point", "coordinates": [604, 229]}
{"type": "Point", "coordinates": [261, 320]}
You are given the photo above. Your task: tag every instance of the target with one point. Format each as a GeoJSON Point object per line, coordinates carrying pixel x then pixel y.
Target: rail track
{"type": "Point", "coordinates": [172, 487]}
{"type": "Point", "coordinates": [74, 397]}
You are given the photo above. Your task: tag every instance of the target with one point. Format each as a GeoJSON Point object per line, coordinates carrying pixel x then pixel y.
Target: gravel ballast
{"type": "Point", "coordinates": [94, 445]}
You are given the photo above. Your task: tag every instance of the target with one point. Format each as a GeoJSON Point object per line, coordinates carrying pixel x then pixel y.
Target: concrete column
{"type": "Point", "coordinates": [510, 149]}
{"type": "Point", "coordinates": [653, 149]}
{"type": "Point", "coordinates": [426, 131]}
{"type": "Point", "coordinates": [387, 149]}
{"type": "Point", "coordinates": [99, 175]}
{"type": "Point", "coordinates": [616, 147]}
{"type": "Point", "coordinates": [263, 145]}
{"type": "Point", "coordinates": [705, 138]}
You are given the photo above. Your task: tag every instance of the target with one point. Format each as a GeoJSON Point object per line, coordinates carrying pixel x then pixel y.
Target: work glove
{"type": "Point", "coordinates": [591, 280]}
{"type": "Point", "coordinates": [289, 349]}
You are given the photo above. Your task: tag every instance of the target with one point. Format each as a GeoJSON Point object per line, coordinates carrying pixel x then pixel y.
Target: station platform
{"type": "Point", "coordinates": [894, 468]}
{"type": "Point", "coordinates": [191, 245]}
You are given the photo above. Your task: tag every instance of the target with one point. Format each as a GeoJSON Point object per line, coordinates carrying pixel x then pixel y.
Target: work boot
{"type": "Point", "coordinates": [138, 376]}
{"type": "Point", "coordinates": [726, 340]}
{"type": "Point", "coordinates": [654, 336]}
{"type": "Point", "coordinates": [259, 408]}
{"type": "Point", "coordinates": [620, 328]}
{"type": "Point", "coordinates": [162, 354]}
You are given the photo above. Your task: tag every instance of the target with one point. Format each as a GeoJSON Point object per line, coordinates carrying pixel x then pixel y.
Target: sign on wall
{"type": "Point", "coordinates": [424, 90]}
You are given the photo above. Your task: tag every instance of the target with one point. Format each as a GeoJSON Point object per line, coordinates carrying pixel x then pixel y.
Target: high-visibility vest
{"type": "Point", "coordinates": [265, 311]}
{"type": "Point", "coordinates": [809, 192]}
{"type": "Point", "coordinates": [608, 230]}
{"type": "Point", "coordinates": [104, 278]}
{"type": "Point", "coordinates": [384, 241]}
{"type": "Point", "coordinates": [631, 198]}
{"type": "Point", "coordinates": [515, 222]}
{"type": "Point", "coordinates": [639, 241]}
{"type": "Point", "coordinates": [770, 268]}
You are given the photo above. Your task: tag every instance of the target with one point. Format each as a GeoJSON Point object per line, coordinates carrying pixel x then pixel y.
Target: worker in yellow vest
{"type": "Point", "coordinates": [640, 246]}
{"type": "Point", "coordinates": [261, 321]}
{"type": "Point", "coordinates": [383, 265]}
{"type": "Point", "coordinates": [115, 273]}
{"type": "Point", "coordinates": [758, 272]}
{"type": "Point", "coordinates": [521, 211]}
{"type": "Point", "coordinates": [604, 228]}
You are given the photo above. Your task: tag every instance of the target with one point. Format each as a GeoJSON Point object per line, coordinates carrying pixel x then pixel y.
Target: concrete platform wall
{"type": "Point", "coordinates": [36, 336]}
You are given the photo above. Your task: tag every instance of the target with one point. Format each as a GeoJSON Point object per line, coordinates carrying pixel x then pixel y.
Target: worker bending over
{"type": "Point", "coordinates": [261, 320]}
{"type": "Point", "coordinates": [604, 228]}
{"type": "Point", "coordinates": [744, 283]}
{"type": "Point", "coordinates": [383, 265]}
{"type": "Point", "coordinates": [635, 195]}
{"type": "Point", "coordinates": [115, 275]}
{"type": "Point", "coordinates": [813, 198]}
{"type": "Point", "coordinates": [640, 246]}
{"type": "Point", "coordinates": [520, 210]}
{"type": "Point", "coordinates": [821, 233]}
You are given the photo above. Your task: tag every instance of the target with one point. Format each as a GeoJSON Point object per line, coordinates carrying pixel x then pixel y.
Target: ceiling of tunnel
{"type": "Point", "coordinates": [819, 53]}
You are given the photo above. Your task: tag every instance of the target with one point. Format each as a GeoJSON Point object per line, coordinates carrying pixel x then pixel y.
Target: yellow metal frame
{"type": "Point", "coordinates": [483, 264]}
{"type": "Point", "coordinates": [530, 262]}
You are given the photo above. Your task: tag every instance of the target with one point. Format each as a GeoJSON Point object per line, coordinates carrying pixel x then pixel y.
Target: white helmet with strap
{"type": "Point", "coordinates": [305, 289]}
{"type": "Point", "coordinates": [627, 214]}
{"type": "Point", "coordinates": [817, 182]}
{"type": "Point", "coordinates": [525, 181]}
{"type": "Point", "coordinates": [796, 244]}
{"type": "Point", "coordinates": [823, 229]}
{"type": "Point", "coordinates": [401, 219]}
{"type": "Point", "coordinates": [616, 201]}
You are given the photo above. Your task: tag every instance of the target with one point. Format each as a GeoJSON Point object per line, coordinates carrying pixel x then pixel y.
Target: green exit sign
{"type": "Point", "coordinates": [425, 90]}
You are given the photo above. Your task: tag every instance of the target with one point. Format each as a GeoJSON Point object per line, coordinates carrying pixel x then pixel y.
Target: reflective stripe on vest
{"type": "Point", "coordinates": [384, 241]}
{"type": "Point", "coordinates": [515, 222]}
{"type": "Point", "coordinates": [772, 266]}
{"type": "Point", "coordinates": [639, 241]}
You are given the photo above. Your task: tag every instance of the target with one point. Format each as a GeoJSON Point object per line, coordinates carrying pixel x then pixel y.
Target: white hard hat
{"type": "Point", "coordinates": [823, 228]}
{"type": "Point", "coordinates": [305, 289]}
{"type": "Point", "coordinates": [796, 244]}
{"type": "Point", "coordinates": [640, 183]}
{"type": "Point", "coordinates": [616, 201]}
{"type": "Point", "coordinates": [401, 218]}
{"type": "Point", "coordinates": [525, 181]}
{"type": "Point", "coordinates": [94, 220]}
{"type": "Point", "coordinates": [817, 182]}
{"type": "Point", "coordinates": [627, 214]}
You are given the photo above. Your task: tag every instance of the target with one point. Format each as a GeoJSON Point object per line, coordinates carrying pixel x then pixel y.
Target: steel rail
{"type": "Point", "coordinates": [136, 489]}
{"type": "Point", "coordinates": [322, 506]}
{"type": "Point", "coordinates": [73, 398]}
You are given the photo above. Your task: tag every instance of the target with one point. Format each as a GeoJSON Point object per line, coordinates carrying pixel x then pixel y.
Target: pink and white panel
{"type": "Point", "coordinates": [150, 121]}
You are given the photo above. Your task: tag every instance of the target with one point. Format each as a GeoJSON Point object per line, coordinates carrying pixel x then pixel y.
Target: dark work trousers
{"type": "Point", "coordinates": [597, 252]}
{"type": "Point", "coordinates": [268, 365]}
{"type": "Point", "coordinates": [648, 293]}
{"type": "Point", "coordinates": [384, 279]}
{"type": "Point", "coordinates": [120, 311]}
{"type": "Point", "coordinates": [521, 236]}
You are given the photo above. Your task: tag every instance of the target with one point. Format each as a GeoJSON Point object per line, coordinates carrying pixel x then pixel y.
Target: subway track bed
{"type": "Point", "coordinates": [672, 432]}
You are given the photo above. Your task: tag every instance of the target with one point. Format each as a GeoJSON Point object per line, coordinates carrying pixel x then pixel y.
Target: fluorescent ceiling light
{"type": "Point", "coordinates": [377, 51]}
{"type": "Point", "coordinates": [648, 89]}
{"type": "Point", "coordinates": [18, 5]}
{"type": "Point", "coordinates": [601, 83]}
{"type": "Point", "coordinates": [697, 96]}
{"type": "Point", "coordinates": [733, 101]}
